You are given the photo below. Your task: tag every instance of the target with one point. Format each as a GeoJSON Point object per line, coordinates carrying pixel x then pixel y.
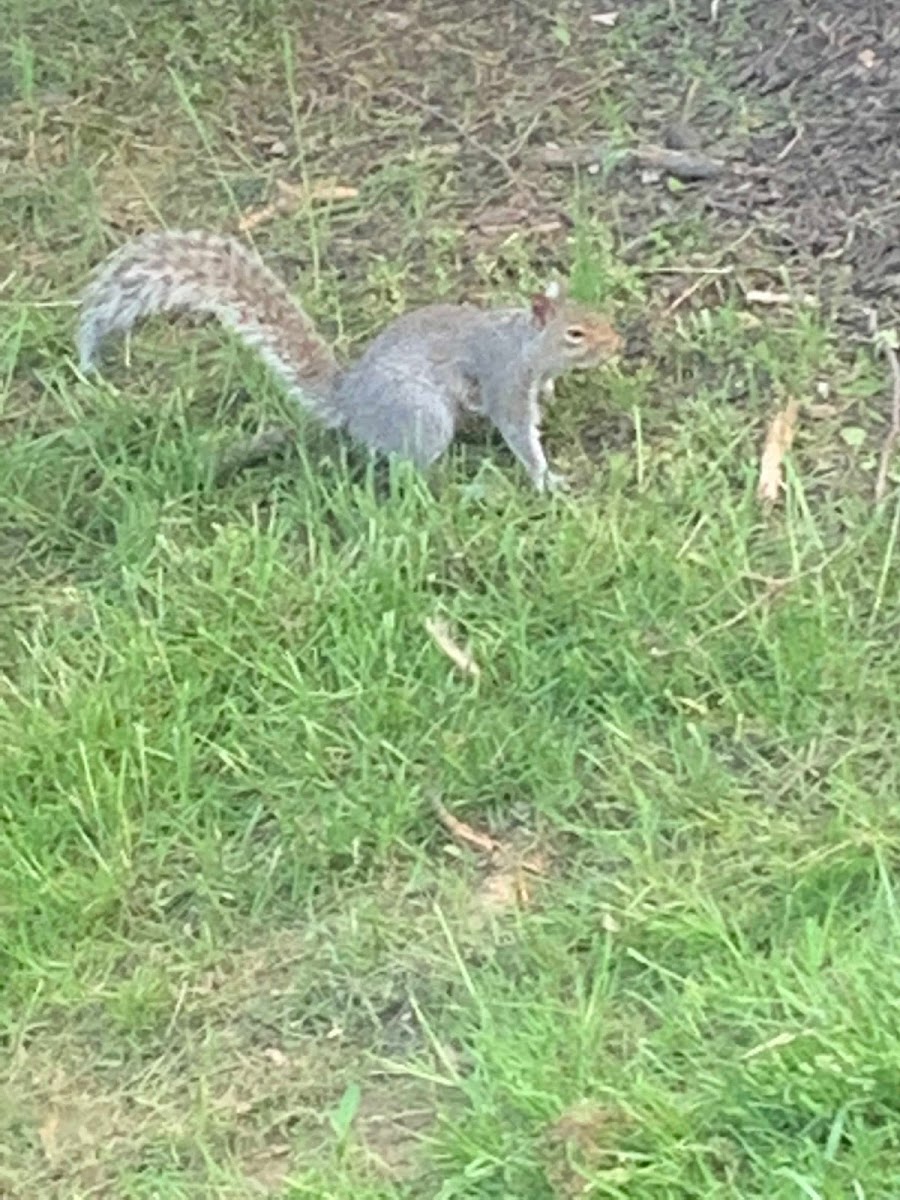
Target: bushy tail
{"type": "Point", "coordinates": [205, 273]}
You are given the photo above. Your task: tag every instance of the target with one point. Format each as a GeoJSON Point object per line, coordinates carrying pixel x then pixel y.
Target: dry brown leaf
{"type": "Point", "coordinates": [821, 412]}
{"type": "Point", "coordinates": [324, 190]}
{"type": "Point", "coordinates": [291, 197]}
{"type": "Point", "coordinates": [584, 1122]}
{"type": "Point", "coordinates": [582, 1140]}
{"type": "Point", "coordinates": [258, 216]}
{"type": "Point", "coordinates": [502, 890]}
{"type": "Point", "coordinates": [778, 442]}
{"type": "Point", "coordinates": [457, 654]}
{"type": "Point", "coordinates": [507, 885]}
{"type": "Point", "coordinates": [48, 1135]}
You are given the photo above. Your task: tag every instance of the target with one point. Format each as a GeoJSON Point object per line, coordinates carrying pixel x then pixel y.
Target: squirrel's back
{"type": "Point", "coordinates": [206, 273]}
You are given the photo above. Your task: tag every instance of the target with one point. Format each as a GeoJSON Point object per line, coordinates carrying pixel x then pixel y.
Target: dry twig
{"type": "Point", "coordinates": [887, 449]}
{"type": "Point", "coordinates": [458, 655]}
{"type": "Point", "coordinates": [500, 854]}
{"type": "Point", "coordinates": [683, 164]}
{"type": "Point", "coordinates": [465, 834]}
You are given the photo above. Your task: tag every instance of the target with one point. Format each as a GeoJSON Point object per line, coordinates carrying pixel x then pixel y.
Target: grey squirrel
{"type": "Point", "coordinates": [406, 391]}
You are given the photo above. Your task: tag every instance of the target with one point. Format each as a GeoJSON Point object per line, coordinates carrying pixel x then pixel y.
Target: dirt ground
{"type": "Point", "coordinates": [796, 102]}
{"type": "Point", "coordinates": [803, 113]}
{"type": "Point", "coordinates": [828, 194]}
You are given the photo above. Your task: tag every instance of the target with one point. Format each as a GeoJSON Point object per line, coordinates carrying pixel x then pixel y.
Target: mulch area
{"type": "Point", "coordinates": [804, 110]}
{"type": "Point", "coordinates": [831, 190]}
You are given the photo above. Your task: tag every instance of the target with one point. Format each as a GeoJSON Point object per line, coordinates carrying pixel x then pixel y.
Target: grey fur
{"type": "Point", "coordinates": [405, 393]}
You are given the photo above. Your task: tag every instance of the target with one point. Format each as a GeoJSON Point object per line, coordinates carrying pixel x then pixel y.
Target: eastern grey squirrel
{"type": "Point", "coordinates": [406, 391]}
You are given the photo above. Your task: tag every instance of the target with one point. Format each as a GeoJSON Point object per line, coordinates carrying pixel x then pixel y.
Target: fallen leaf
{"type": "Point", "coordinates": [748, 319]}
{"type": "Point", "coordinates": [399, 20]}
{"type": "Point", "coordinates": [821, 412]}
{"type": "Point", "coordinates": [258, 217]}
{"type": "Point", "coordinates": [583, 1123]}
{"type": "Point", "coordinates": [326, 189]}
{"type": "Point", "coordinates": [291, 197]}
{"type": "Point", "coordinates": [584, 1140]}
{"type": "Point", "coordinates": [608, 19]}
{"type": "Point", "coordinates": [342, 1116]}
{"type": "Point", "coordinates": [457, 654]}
{"type": "Point", "coordinates": [48, 1135]}
{"type": "Point", "coordinates": [778, 442]}
{"type": "Point", "coordinates": [502, 890]}
{"type": "Point", "coordinates": [853, 435]}
{"type": "Point", "coordinates": [269, 1167]}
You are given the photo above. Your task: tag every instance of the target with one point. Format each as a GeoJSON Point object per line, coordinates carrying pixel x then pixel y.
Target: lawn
{"type": "Point", "coordinates": [293, 905]}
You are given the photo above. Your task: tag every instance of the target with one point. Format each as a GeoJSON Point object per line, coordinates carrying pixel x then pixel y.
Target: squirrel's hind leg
{"type": "Point", "coordinates": [413, 422]}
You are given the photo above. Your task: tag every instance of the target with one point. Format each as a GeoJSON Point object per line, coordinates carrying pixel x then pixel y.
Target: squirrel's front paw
{"type": "Point", "coordinates": [554, 482]}
{"type": "Point", "coordinates": [546, 480]}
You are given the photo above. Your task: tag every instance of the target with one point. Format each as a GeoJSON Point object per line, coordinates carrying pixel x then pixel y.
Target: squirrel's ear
{"type": "Point", "coordinates": [545, 303]}
{"type": "Point", "coordinates": [541, 308]}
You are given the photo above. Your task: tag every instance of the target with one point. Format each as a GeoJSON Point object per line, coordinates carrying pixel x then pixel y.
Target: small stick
{"type": "Point", "coordinates": [460, 656]}
{"type": "Point", "coordinates": [689, 291]}
{"type": "Point", "coordinates": [894, 431]}
{"type": "Point", "coordinates": [466, 835]}
{"type": "Point", "coordinates": [683, 164]}
{"type": "Point", "coordinates": [785, 150]}
{"type": "Point", "coordinates": [464, 832]}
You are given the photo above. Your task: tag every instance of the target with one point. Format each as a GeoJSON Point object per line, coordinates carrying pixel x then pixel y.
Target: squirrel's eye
{"type": "Point", "coordinates": [574, 334]}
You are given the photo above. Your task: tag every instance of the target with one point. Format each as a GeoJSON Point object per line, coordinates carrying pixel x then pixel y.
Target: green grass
{"type": "Point", "coordinates": [240, 955]}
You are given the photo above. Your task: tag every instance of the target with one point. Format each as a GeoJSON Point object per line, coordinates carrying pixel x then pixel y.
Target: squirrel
{"type": "Point", "coordinates": [405, 393]}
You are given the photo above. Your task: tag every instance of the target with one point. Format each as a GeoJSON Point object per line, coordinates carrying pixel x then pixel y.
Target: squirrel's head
{"type": "Point", "coordinates": [580, 337]}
